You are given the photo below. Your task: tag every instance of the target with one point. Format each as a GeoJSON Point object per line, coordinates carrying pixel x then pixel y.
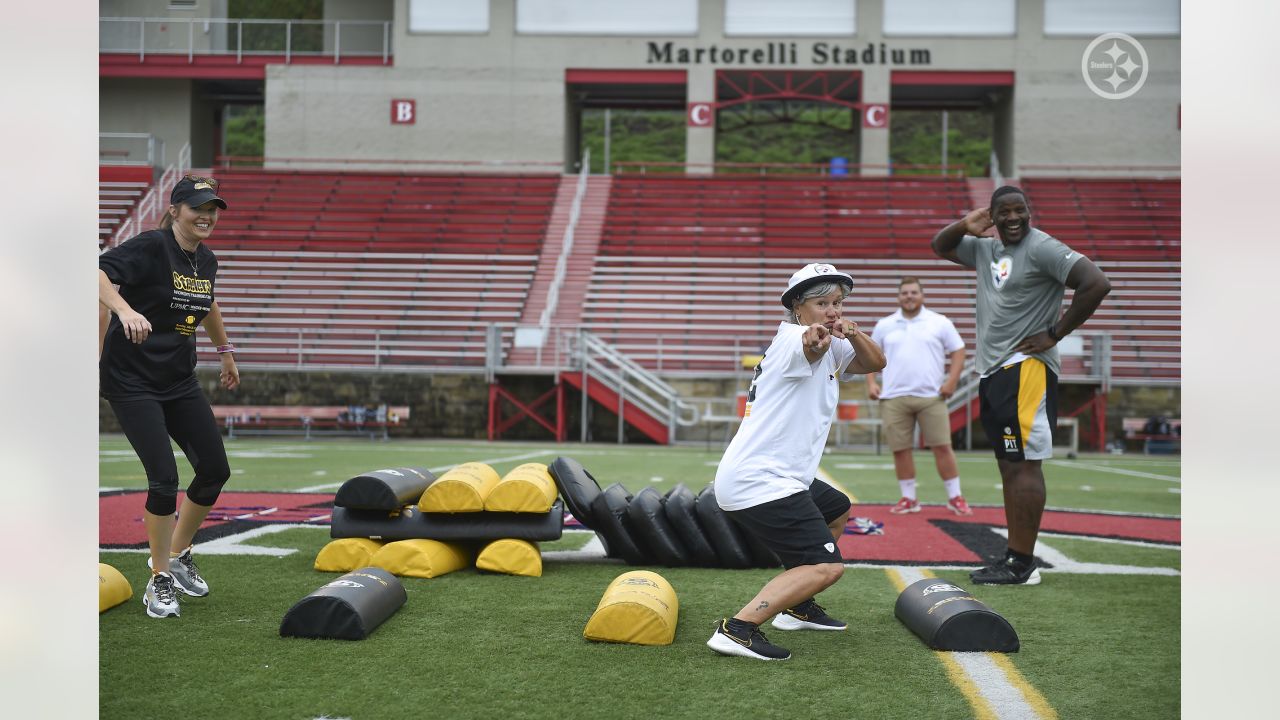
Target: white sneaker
{"type": "Point", "coordinates": [186, 575]}
{"type": "Point", "coordinates": [159, 597]}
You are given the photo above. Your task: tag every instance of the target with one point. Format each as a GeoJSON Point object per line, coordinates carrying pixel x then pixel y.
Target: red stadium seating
{"type": "Point", "coordinates": [1111, 219]}
{"type": "Point", "coordinates": [361, 269]}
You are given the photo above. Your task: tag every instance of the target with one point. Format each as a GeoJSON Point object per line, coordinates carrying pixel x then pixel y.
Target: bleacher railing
{"type": "Point", "coordinates": [239, 37]}
{"type": "Point", "coordinates": [395, 165]}
{"type": "Point", "coordinates": [645, 167]}
{"type": "Point", "coordinates": [1077, 171]}
{"type": "Point", "coordinates": [142, 149]}
{"type": "Point", "coordinates": [147, 213]}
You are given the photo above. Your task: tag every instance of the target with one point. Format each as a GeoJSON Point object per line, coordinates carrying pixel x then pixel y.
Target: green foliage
{"type": "Point", "coordinates": [276, 9]}
{"type": "Point", "coordinates": [635, 136]}
{"type": "Point", "coordinates": [271, 38]}
{"type": "Point", "coordinates": [915, 138]}
{"type": "Point", "coordinates": [790, 133]}
{"type": "Point", "coordinates": [245, 131]}
{"type": "Point", "coordinates": [776, 132]}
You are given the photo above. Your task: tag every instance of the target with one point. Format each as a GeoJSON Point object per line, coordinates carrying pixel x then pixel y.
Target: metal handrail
{"type": "Point", "coordinates": [150, 139]}
{"type": "Point", "coordinates": [152, 203]}
{"type": "Point", "coordinates": [332, 29]}
{"type": "Point", "coordinates": [640, 384]}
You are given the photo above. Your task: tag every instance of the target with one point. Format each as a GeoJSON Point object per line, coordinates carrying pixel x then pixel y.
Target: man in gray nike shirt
{"type": "Point", "coordinates": [1022, 278]}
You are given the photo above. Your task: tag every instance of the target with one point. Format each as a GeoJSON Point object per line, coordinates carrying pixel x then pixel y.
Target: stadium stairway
{"type": "Point", "coordinates": [980, 190]}
{"type": "Point", "coordinates": [119, 190]}
{"type": "Point", "coordinates": [578, 266]}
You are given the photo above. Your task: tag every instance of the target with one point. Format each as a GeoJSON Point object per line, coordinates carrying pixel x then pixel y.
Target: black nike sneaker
{"type": "Point", "coordinates": [807, 615]}
{"type": "Point", "coordinates": [748, 642]}
{"type": "Point", "coordinates": [1007, 572]}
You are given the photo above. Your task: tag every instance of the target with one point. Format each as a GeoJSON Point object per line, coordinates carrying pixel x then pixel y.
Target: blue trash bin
{"type": "Point", "coordinates": [839, 166]}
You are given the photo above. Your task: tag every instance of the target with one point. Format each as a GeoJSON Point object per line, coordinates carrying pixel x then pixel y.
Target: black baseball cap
{"type": "Point", "coordinates": [195, 191]}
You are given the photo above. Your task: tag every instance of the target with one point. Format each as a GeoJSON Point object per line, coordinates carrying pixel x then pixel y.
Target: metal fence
{"type": "Point", "coordinates": [241, 37]}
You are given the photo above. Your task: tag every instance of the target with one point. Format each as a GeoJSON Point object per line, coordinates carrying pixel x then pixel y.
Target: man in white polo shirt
{"type": "Point", "coordinates": [916, 342]}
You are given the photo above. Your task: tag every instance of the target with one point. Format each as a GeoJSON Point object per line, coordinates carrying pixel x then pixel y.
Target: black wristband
{"type": "Point", "coordinates": [1053, 334]}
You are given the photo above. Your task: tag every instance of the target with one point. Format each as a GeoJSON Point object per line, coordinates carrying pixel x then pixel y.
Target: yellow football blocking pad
{"type": "Point", "coordinates": [421, 558]}
{"type": "Point", "coordinates": [113, 589]}
{"type": "Point", "coordinates": [346, 554]}
{"type": "Point", "coordinates": [511, 556]}
{"type": "Point", "coordinates": [527, 488]}
{"type": "Point", "coordinates": [462, 489]}
{"type": "Point", "coordinates": [638, 607]}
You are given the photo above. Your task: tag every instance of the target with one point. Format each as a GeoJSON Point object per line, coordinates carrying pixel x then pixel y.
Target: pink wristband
{"type": "Point", "coordinates": [228, 348]}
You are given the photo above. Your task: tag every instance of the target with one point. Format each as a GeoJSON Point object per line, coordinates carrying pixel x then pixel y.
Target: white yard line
{"type": "Point", "coordinates": [442, 468]}
{"type": "Point", "coordinates": [1117, 471]}
{"type": "Point", "coordinates": [992, 685]}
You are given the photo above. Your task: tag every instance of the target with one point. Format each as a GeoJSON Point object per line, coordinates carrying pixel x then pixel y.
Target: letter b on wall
{"type": "Point", "coordinates": [404, 112]}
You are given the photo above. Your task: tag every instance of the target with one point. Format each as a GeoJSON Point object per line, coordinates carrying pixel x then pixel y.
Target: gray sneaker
{"type": "Point", "coordinates": [160, 598]}
{"type": "Point", "coordinates": [186, 575]}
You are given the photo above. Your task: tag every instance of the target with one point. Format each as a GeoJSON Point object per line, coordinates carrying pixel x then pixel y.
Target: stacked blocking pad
{"type": "Point", "coordinates": [411, 523]}
{"type": "Point", "coordinates": [649, 528]}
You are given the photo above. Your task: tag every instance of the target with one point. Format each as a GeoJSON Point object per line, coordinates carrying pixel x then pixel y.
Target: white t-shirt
{"type": "Point", "coordinates": [776, 450]}
{"type": "Point", "coordinates": [915, 351]}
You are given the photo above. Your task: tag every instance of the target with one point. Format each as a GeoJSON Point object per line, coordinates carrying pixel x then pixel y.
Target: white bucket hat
{"type": "Point", "coordinates": [810, 275]}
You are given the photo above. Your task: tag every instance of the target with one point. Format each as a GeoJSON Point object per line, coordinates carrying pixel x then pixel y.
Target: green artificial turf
{"type": "Point", "coordinates": [473, 645]}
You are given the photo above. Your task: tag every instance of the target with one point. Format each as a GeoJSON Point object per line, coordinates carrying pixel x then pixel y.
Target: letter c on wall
{"type": "Point", "coordinates": [701, 115]}
{"type": "Point", "coordinates": [875, 116]}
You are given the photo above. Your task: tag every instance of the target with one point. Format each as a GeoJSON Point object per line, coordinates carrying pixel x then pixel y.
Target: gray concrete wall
{"type": "Point", "coordinates": [162, 107]}
{"type": "Point", "coordinates": [500, 96]}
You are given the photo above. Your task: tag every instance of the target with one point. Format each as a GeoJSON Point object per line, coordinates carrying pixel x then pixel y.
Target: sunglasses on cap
{"type": "Point", "coordinates": [213, 183]}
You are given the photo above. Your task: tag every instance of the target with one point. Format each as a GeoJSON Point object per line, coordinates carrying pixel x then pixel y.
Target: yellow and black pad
{"type": "Point", "coordinates": [421, 558]}
{"type": "Point", "coordinates": [346, 554]}
{"type": "Point", "coordinates": [462, 489]}
{"type": "Point", "coordinates": [511, 557]}
{"type": "Point", "coordinates": [526, 489]}
{"type": "Point", "coordinates": [113, 588]}
{"type": "Point", "coordinates": [638, 607]}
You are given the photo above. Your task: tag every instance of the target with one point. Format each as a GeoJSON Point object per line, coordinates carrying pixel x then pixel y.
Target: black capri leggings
{"type": "Point", "coordinates": [189, 421]}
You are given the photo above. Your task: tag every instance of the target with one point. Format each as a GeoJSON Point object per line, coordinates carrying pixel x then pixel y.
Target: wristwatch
{"type": "Point", "coordinates": [1053, 334]}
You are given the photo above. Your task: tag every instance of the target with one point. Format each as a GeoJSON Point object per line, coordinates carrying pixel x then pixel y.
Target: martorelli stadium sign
{"type": "Point", "coordinates": [787, 53]}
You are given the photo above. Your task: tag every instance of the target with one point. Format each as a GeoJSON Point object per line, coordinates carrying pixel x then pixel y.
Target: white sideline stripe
{"type": "Point", "coordinates": [994, 690]}
{"type": "Point", "coordinates": [230, 545]}
{"type": "Point", "coordinates": [1062, 563]}
{"type": "Point", "coordinates": [592, 551]}
{"type": "Point", "coordinates": [1117, 471]}
{"type": "Point", "coordinates": [442, 468]}
{"type": "Point", "coordinates": [1115, 541]}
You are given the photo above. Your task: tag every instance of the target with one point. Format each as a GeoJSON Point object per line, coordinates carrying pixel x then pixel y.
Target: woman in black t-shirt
{"type": "Point", "coordinates": [146, 371]}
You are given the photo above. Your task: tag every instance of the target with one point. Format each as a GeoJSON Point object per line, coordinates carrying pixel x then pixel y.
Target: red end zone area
{"type": "Point", "coordinates": [935, 535]}
{"type": "Point", "coordinates": [120, 515]}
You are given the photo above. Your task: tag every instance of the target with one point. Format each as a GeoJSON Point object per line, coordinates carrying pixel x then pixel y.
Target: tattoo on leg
{"type": "Point", "coordinates": [763, 604]}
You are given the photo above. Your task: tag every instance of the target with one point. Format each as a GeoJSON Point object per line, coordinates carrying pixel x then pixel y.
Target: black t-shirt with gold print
{"type": "Point", "coordinates": [173, 289]}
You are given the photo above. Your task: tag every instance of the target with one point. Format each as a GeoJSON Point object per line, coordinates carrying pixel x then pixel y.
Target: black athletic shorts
{"type": "Point", "coordinates": [1019, 409]}
{"type": "Point", "coordinates": [795, 527]}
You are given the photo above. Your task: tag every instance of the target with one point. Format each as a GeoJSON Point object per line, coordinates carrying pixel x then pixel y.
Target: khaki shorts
{"type": "Point", "coordinates": [899, 417]}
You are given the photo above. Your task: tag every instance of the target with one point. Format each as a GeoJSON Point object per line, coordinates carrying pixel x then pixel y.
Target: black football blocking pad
{"type": "Point", "coordinates": [947, 617]}
{"type": "Point", "coordinates": [348, 608]}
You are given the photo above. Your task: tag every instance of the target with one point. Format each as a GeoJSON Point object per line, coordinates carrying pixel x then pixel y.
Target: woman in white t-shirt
{"type": "Point", "coordinates": [765, 481]}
